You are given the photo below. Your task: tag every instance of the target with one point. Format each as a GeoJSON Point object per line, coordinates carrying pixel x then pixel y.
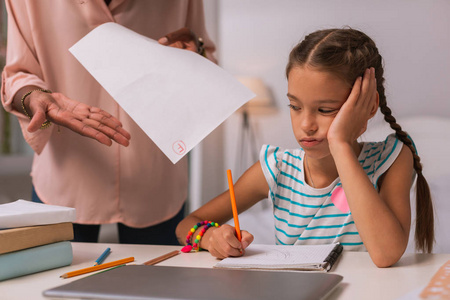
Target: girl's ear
{"type": "Point", "coordinates": [375, 106]}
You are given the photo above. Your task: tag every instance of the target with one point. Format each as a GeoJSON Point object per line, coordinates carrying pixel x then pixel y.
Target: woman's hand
{"type": "Point", "coordinates": [222, 242]}
{"type": "Point", "coordinates": [183, 38]}
{"type": "Point", "coordinates": [81, 118]}
{"type": "Point", "coordinates": [361, 105]}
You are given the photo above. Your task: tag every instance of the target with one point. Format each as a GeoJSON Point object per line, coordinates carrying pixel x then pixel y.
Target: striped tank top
{"type": "Point", "coordinates": [304, 215]}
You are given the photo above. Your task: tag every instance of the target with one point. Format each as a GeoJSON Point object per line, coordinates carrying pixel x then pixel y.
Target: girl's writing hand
{"type": "Point", "coordinates": [81, 118]}
{"type": "Point", "coordinates": [361, 105]}
{"type": "Point", "coordinates": [222, 242]}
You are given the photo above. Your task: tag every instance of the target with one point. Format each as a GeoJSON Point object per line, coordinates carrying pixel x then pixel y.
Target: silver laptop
{"type": "Point", "coordinates": [160, 282]}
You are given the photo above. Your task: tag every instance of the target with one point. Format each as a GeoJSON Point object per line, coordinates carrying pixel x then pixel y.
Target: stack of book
{"type": "Point", "coordinates": [34, 237]}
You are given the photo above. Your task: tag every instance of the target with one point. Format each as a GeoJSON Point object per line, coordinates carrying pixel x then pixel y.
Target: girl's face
{"type": "Point", "coordinates": [315, 98]}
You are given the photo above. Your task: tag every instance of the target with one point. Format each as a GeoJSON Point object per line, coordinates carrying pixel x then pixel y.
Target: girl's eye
{"type": "Point", "coordinates": [293, 107]}
{"type": "Point", "coordinates": [327, 110]}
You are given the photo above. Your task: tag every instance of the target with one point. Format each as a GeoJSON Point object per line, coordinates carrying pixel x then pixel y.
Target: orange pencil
{"type": "Point", "coordinates": [233, 205]}
{"type": "Point", "coordinates": [98, 267]}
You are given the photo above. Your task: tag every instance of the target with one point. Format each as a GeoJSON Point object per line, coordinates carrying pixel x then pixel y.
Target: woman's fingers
{"type": "Point", "coordinates": [86, 130]}
{"type": "Point", "coordinates": [101, 127]}
{"type": "Point", "coordinates": [111, 133]}
{"type": "Point", "coordinates": [108, 124]}
{"type": "Point", "coordinates": [83, 119]}
{"type": "Point", "coordinates": [183, 38]}
{"type": "Point", "coordinates": [183, 34]}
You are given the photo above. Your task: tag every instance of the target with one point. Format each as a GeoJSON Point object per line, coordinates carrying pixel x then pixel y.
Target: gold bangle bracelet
{"type": "Point", "coordinates": [47, 123]}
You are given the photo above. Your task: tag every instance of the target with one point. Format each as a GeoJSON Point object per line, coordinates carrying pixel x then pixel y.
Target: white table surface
{"type": "Point", "coordinates": [362, 279]}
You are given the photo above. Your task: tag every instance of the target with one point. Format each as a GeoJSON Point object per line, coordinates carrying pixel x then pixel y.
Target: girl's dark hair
{"type": "Point", "coordinates": [347, 53]}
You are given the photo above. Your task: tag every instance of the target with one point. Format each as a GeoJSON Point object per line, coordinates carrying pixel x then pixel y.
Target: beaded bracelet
{"type": "Point", "coordinates": [196, 245]}
{"type": "Point", "coordinates": [47, 122]}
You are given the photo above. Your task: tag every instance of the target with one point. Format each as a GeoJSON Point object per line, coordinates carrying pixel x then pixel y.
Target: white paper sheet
{"type": "Point", "coordinates": [176, 96]}
{"type": "Point", "coordinates": [22, 213]}
{"type": "Point", "coordinates": [283, 257]}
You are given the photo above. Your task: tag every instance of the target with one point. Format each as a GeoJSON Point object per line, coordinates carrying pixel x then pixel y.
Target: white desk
{"type": "Point", "coordinates": [362, 279]}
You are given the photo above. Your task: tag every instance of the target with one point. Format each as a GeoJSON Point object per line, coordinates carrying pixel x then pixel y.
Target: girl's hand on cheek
{"type": "Point", "coordinates": [351, 120]}
{"type": "Point", "coordinates": [222, 242]}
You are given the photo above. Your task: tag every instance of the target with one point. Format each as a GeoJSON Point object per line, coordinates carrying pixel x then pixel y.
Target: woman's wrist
{"type": "Point", "coordinates": [26, 111]}
{"type": "Point", "coordinates": [17, 100]}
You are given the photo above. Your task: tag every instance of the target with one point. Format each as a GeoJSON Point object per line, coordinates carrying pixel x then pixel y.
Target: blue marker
{"type": "Point", "coordinates": [103, 256]}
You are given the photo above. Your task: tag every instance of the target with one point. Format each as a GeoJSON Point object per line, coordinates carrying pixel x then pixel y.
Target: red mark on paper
{"type": "Point", "coordinates": [179, 147]}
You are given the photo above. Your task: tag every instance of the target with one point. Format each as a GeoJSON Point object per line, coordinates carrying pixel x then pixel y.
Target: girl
{"type": "Point", "coordinates": [332, 189]}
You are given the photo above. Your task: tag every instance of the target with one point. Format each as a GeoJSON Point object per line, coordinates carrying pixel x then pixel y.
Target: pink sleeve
{"type": "Point", "coordinates": [22, 69]}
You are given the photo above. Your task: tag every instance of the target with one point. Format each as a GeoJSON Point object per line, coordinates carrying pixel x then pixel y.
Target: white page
{"type": "Point", "coordinates": [176, 96]}
{"type": "Point", "coordinates": [279, 256]}
{"type": "Point", "coordinates": [22, 213]}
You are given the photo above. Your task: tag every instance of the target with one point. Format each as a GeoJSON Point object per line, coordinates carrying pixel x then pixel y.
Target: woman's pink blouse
{"type": "Point", "coordinates": [135, 185]}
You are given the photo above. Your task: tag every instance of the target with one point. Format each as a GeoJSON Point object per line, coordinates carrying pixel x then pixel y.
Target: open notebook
{"type": "Point", "coordinates": [160, 282]}
{"type": "Point", "coordinates": [299, 257]}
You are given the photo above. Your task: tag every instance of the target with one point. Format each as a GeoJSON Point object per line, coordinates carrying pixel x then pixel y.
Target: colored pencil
{"type": "Point", "coordinates": [98, 267]}
{"type": "Point", "coordinates": [102, 257]}
{"type": "Point", "coordinates": [162, 258]}
{"type": "Point", "coordinates": [233, 205]}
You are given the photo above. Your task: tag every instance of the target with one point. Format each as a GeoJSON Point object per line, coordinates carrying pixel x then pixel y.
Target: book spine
{"type": "Point", "coordinates": [332, 257]}
{"type": "Point", "coordinates": [37, 259]}
{"type": "Point", "coordinates": [27, 237]}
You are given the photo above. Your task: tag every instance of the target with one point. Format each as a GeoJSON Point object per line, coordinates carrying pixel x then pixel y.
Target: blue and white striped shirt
{"type": "Point", "coordinates": [305, 215]}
